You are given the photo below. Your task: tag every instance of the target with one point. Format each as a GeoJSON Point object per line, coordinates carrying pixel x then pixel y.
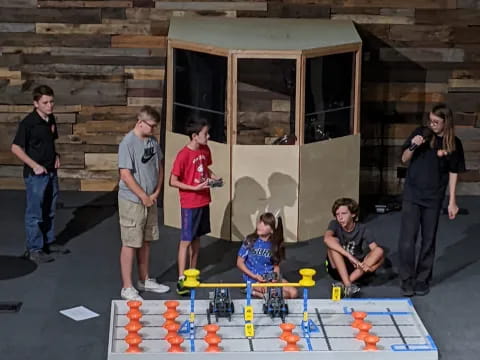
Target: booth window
{"type": "Point", "coordinates": [329, 97]}
{"type": "Point", "coordinates": [266, 101]}
{"type": "Point", "coordinates": [200, 82]}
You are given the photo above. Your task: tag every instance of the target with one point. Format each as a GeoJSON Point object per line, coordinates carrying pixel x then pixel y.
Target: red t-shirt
{"type": "Point", "coordinates": [191, 168]}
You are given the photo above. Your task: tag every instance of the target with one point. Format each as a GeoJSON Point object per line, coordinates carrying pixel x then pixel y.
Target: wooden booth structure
{"type": "Point", "coordinates": [282, 98]}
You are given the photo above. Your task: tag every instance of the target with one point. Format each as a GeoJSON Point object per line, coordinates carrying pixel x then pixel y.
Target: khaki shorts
{"type": "Point", "coordinates": [137, 223]}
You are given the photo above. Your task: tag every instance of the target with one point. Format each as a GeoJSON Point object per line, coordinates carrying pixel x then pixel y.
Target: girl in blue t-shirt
{"type": "Point", "coordinates": [261, 253]}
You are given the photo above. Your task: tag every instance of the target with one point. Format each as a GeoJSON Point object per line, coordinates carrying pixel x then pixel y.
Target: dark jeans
{"type": "Point", "coordinates": [415, 217]}
{"type": "Point", "coordinates": [42, 193]}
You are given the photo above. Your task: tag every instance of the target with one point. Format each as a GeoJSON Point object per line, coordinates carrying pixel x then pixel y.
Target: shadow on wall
{"type": "Point", "coordinates": [251, 199]}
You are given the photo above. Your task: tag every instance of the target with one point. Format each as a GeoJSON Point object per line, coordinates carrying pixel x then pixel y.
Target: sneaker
{"type": "Point", "coordinates": [40, 257]}
{"type": "Point", "coordinates": [182, 290]}
{"type": "Point", "coordinates": [407, 288]}
{"type": "Point", "coordinates": [130, 294]}
{"type": "Point", "coordinates": [351, 291]}
{"type": "Point", "coordinates": [56, 248]}
{"type": "Point", "coordinates": [421, 288]}
{"type": "Point", "coordinates": [153, 286]}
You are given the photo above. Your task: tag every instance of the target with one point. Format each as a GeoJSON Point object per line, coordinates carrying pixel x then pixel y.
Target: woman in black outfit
{"type": "Point", "coordinates": [435, 157]}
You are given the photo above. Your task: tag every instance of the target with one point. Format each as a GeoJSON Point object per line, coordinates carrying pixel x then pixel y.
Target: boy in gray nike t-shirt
{"type": "Point", "coordinates": [141, 175]}
{"type": "Point", "coordinates": [143, 158]}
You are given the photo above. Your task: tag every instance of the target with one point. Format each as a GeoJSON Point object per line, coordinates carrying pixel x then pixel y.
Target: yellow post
{"type": "Point", "coordinates": [191, 278]}
{"type": "Point", "coordinates": [307, 277]}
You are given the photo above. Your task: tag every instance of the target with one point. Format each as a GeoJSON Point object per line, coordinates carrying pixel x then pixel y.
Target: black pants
{"type": "Point", "coordinates": [415, 217]}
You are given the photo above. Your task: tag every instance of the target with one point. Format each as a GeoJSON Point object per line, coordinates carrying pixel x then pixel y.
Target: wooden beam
{"type": "Point", "coordinates": [108, 29]}
{"type": "Point", "coordinates": [138, 41]}
{"type": "Point", "coordinates": [141, 101]}
{"type": "Point", "coordinates": [98, 185]}
{"type": "Point", "coordinates": [83, 4]}
{"type": "Point", "coordinates": [463, 85]}
{"type": "Point", "coordinates": [234, 98]}
{"type": "Point", "coordinates": [97, 161]}
{"type": "Point", "coordinates": [404, 92]}
{"type": "Point", "coordinates": [207, 49]}
{"type": "Point", "coordinates": [140, 73]}
{"type": "Point", "coordinates": [266, 54]}
{"type": "Point", "coordinates": [299, 89]}
{"type": "Point", "coordinates": [34, 15]}
{"type": "Point", "coordinates": [28, 108]}
{"type": "Point", "coordinates": [212, 5]}
{"type": "Point", "coordinates": [17, 27]}
{"type": "Point", "coordinates": [338, 49]}
{"type": "Point", "coordinates": [457, 17]}
{"type": "Point", "coordinates": [18, 4]}
{"type": "Point", "coordinates": [301, 104]}
{"type": "Point", "coordinates": [357, 91]}
{"type": "Point", "coordinates": [104, 126]}
{"type": "Point", "coordinates": [54, 40]}
{"type": "Point", "coordinates": [424, 4]}
{"type": "Point", "coordinates": [422, 54]}
{"type": "Point", "coordinates": [170, 87]}
{"type": "Point", "coordinates": [440, 33]}
{"type": "Point", "coordinates": [374, 19]}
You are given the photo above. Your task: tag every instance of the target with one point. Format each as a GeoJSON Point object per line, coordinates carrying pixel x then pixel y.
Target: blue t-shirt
{"type": "Point", "coordinates": [258, 258]}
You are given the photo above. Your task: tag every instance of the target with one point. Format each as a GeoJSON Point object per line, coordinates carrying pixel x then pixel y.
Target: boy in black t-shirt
{"type": "Point", "coordinates": [34, 145]}
{"type": "Point", "coordinates": [351, 248]}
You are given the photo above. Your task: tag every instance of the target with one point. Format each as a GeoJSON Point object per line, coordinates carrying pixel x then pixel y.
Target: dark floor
{"type": "Point", "coordinates": [89, 276]}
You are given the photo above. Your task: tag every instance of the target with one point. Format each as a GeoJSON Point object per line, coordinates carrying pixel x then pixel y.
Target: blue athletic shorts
{"type": "Point", "coordinates": [195, 222]}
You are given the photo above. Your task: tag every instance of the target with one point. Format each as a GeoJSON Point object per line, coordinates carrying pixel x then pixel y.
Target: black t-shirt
{"type": "Point", "coordinates": [427, 175]}
{"type": "Point", "coordinates": [356, 241]}
{"type": "Point", "coordinates": [37, 138]}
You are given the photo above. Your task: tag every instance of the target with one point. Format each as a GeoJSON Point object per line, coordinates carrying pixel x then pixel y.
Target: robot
{"type": "Point", "coordinates": [221, 305]}
{"type": "Point", "coordinates": [274, 305]}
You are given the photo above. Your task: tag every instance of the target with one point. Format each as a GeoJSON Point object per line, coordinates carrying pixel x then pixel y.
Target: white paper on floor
{"type": "Point", "coordinates": [79, 313]}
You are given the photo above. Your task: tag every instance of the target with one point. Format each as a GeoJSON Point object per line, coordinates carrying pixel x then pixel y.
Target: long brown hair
{"type": "Point", "coordinates": [278, 246]}
{"type": "Point", "coordinates": [444, 112]}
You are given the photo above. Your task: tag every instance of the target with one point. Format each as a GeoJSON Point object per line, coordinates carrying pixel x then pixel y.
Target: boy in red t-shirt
{"type": "Point", "coordinates": [191, 175]}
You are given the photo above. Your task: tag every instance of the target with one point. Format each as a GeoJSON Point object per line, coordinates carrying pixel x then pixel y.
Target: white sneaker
{"type": "Point", "coordinates": [153, 286]}
{"type": "Point", "coordinates": [130, 294]}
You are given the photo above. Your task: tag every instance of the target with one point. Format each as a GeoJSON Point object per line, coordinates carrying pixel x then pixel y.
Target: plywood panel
{"type": "Point", "coordinates": [98, 185]}
{"type": "Point", "coordinates": [328, 170]}
{"type": "Point", "coordinates": [220, 205]}
{"type": "Point", "coordinates": [99, 161]}
{"type": "Point", "coordinates": [220, 208]}
{"type": "Point", "coordinates": [264, 178]}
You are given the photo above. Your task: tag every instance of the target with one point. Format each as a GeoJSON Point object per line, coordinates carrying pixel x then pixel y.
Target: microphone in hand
{"type": "Point", "coordinates": [426, 135]}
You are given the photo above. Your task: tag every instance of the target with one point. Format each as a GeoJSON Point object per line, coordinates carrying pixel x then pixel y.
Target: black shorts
{"type": "Point", "coordinates": [333, 272]}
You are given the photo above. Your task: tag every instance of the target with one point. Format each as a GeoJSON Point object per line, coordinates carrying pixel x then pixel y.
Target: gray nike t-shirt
{"type": "Point", "coordinates": [141, 157]}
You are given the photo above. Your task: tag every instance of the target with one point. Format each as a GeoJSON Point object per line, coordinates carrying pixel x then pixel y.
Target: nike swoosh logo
{"type": "Point", "coordinates": [146, 158]}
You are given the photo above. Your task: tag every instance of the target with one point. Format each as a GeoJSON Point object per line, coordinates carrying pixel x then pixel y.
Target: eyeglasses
{"type": "Point", "coordinates": [152, 126]}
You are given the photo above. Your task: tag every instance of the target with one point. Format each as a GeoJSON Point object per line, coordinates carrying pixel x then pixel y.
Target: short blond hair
{"type": "Point", "coordinates": [150, 112]}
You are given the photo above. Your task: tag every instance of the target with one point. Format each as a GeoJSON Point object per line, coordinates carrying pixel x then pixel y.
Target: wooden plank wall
{"type": "Point", "coordinates": [105, 58]}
